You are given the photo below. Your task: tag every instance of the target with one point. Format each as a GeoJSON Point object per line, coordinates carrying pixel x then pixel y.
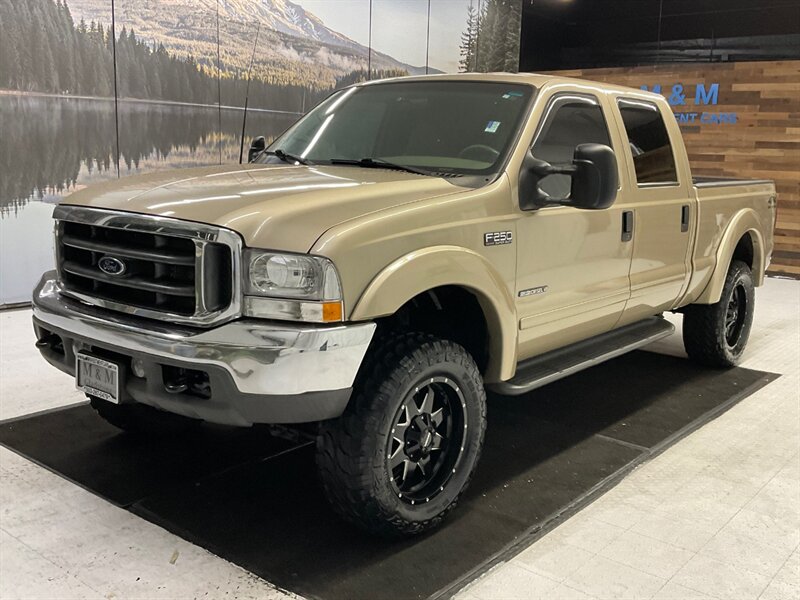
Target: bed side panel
{"type": "Point", "coordinates": [725, 213]}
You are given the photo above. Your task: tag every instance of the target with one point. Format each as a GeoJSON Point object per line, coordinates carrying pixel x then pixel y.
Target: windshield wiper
{"type": "Point", "coordinates": [377, 163]}
{"type": "Point", "coordinates": [286, 157]}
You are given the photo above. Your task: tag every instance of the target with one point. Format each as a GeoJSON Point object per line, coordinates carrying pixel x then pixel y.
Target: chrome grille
{"type": "Point", "coordinates": [162, 268]}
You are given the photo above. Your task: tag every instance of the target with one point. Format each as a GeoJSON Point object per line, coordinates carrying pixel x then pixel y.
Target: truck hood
{"type": "Point", "coordinates": [281, 207]}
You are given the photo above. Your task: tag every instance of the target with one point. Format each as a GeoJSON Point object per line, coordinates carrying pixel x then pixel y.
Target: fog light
{"type": "Point", "coordinates": [137, 366]}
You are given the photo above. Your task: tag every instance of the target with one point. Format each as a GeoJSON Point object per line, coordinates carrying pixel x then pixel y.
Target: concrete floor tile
{"type": "Point", "coordinates": [779, 498]}
{"type": "Point", "coordinates": [588, 534]}
{"type": "Point", "coordinates": [790, 571]}
{"type": "Point", "coordinates": [791, 470]}
{"type": "Point", "coordinates": [49, 484]}
{"type": "Point", "coordinates": [766, 529]}
{"type": "Point", "coordinates": [742, 552]}
{"type": "Point", "coordinates": [21, 502]}
{"type": "Point", "coordinates": [667, 474]}
{"type": "Point", "coordinates": [700, 511]}
{"type": "Point", "coordinates": [553, 558]}
{"type": "Point", "coordinates": [715, 487]}
{"type": "Point", "coordinates": [619, 513]}
{"type": "Point", "coordinates": [564, 592]}
{"type": "Point", "coordinates": [27, 384]}
{"type": "Point", "coordinates": [37, 586]}
{"type": "Point", "coordinates": [647, 555]}
{"type": "Point", "coordinates": [637, 493]}
{"type": "Point", "coordinates": [746, 474]}
{"type": "Point", "coordinates": [512, 582]}
{"type": "Point", "coordinates": [605, 578]}
{"type": "Point", "coordinates": [66, 539]}
{"type": "Point", "coordinates": [25, 574]}
{"type": "Point", "coordinates": [675, 531]}
{"type": "Point", "coordinates": [673, 591]}
{"type": "Point", "coordinates": [719, 579]}
{"type": "Point", "coordinates": [126, 584]}
{"type": "Point", "coordinates": [246, 586]}
{"type": "Point", "coordinates": [779, 590]}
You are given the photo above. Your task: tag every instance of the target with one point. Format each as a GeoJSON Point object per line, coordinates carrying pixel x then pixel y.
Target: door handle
{"type": "Point", "coordinates": [684, 218]}
{"type": "Point", "coordinates": [627, 225]}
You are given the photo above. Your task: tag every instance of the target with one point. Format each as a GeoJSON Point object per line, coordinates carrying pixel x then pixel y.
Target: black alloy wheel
{"type": "Point", "coordinates": [735, 315]}
{"type": "Point", "coordinates": [427, 440]}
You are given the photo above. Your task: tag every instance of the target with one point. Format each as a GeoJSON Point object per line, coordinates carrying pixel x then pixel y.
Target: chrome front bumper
{"type": "Point", "coordinates": [265, 362]}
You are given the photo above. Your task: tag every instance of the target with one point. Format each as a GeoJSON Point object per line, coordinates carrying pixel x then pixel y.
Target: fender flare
{"type": "Point", "coordinates": [437, 266]}
{"type": "Point", "coordinates": [744, 222]}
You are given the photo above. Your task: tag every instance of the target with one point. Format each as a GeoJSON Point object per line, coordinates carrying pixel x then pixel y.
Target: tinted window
{"type": "Point", "coordinates": [441, 126]}
{"type": "Point", "coordinates": [649, 142]}
{"type": "Point", "coordinates": [569, 122]}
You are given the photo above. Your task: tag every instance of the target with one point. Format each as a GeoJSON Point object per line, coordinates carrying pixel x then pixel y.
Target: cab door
{"type": "Point", "coordinates": [663, 206]}
{"type": "Point", "coordinates": [572, 264]}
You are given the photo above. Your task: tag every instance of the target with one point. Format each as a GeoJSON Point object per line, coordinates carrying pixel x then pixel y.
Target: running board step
{"type": "Point", "coordinates": [552, 366]}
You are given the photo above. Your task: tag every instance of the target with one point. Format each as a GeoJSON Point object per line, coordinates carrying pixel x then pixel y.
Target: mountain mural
{"type": "Point", "coordinates": [295, 47]}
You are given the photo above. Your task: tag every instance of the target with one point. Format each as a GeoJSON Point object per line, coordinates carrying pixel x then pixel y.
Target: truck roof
{"type": "Point", "coordinates": [536, 79]}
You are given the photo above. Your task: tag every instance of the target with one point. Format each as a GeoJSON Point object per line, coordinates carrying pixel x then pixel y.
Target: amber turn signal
{"type": "Point", "coordinates": [332, 312]}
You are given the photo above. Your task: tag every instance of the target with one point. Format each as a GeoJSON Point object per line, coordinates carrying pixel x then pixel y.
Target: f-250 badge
{"type": "Point", "coordinates": [497, 238]}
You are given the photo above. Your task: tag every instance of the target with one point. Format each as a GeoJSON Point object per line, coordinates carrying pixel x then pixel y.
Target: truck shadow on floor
{"type": "Point", "coordinates": [255, 500]}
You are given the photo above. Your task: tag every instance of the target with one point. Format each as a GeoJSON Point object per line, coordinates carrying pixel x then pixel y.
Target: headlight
{"type": "Point", "coordinates": [292, 286]}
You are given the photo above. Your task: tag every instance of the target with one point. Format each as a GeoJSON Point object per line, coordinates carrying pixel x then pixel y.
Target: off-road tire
{"type": "Point", "coordinates": [142, 420]}
{"type": "Point", "coordinates": [352, 457]}
{"type": "Point", "coordinates": [706, 337]}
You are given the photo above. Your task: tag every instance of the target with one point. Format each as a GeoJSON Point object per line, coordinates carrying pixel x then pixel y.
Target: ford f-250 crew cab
{"type": "Point", "coordinates": [405, 245]}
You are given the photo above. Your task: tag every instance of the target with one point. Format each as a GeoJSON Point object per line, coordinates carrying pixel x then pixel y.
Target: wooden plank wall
{"type": "Point", "coordinates": [763, 143]}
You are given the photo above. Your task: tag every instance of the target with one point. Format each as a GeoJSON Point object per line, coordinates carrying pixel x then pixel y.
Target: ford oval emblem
{"type": "Point", "coordinates": [111, 265]}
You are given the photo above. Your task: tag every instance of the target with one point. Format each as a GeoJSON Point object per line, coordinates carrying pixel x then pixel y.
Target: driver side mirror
{"type": "Point", "coordinates": [257, 146]}
{"type": "Point", "coordinates": [594, 179]}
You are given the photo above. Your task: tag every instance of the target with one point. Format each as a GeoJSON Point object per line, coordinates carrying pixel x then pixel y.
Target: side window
{"type": "Point", "coordinates": [649, 143]}
{"type": "Point", "coordinates": [568, 122]}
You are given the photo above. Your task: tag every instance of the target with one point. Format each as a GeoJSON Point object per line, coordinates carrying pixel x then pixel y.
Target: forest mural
{"type": "Point", "coordinates": [87, 94]}
{"type": "Point", "coordinates": [491, 38]}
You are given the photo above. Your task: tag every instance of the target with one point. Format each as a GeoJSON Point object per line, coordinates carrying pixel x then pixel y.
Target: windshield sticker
{"type": "Point", "coordinates": [492, 126]}
{"type": "Point", "coordinates": [508, 95]}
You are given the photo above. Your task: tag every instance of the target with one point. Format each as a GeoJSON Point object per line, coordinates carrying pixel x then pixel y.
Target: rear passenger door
{"type": "Point", "coordinates": [664, 213]}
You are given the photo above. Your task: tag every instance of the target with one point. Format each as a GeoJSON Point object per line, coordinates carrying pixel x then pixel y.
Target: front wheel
{"type": "Point", "coordinates": [406, 447]}
{"type": "Point", "coordinates": [716, 334]}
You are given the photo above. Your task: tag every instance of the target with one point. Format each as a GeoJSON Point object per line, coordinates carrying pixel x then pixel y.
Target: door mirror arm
{"type": "Point", "coordinates": [257, 146]}
{"type": "Point", "coordinates": [531, 195]}
{"type": "Point", "coordinates": [594, 179]}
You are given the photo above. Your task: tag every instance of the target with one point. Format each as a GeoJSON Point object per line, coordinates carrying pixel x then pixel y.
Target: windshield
{"type": "Point", "coordinates": [434, 127]}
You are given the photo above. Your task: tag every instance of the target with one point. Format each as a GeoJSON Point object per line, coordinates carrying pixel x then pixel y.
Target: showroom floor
{"type": "Point", "coordinates": [715, 516]}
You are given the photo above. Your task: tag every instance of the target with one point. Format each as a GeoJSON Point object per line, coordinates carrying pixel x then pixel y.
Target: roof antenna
{"type": "Point", "coordinates": [247, 93]}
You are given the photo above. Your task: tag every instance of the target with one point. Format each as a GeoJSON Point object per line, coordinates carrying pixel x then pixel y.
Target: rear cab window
{"type": "Point", "coordinates": [649, 143]}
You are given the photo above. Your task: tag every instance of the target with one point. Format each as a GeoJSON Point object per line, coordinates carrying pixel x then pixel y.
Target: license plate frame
{"type": "Point", "coordinates": [98, 377]}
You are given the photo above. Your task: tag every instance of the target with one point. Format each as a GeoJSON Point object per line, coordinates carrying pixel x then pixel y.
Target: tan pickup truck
{"type": "Point", "coordinates": [401, 248]}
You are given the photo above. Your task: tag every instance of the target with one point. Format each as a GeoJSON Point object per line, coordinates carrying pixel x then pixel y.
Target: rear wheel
{"type": "Point", "coordinates": [141, 419]}
{"type": "Point", "coordinates": [399, 458]}
{"type": "Point", "coordinates": [716, 334]}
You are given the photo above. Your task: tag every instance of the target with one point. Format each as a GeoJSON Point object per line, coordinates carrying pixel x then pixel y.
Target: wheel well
{"type": "Point", "coordinates": [744, 250]}
{"type": "Point", "coordinates": [448, 312]}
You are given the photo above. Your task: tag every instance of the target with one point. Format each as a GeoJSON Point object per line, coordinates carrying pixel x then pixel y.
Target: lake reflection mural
{"type": "Point", "coordinates": [182, 69]}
